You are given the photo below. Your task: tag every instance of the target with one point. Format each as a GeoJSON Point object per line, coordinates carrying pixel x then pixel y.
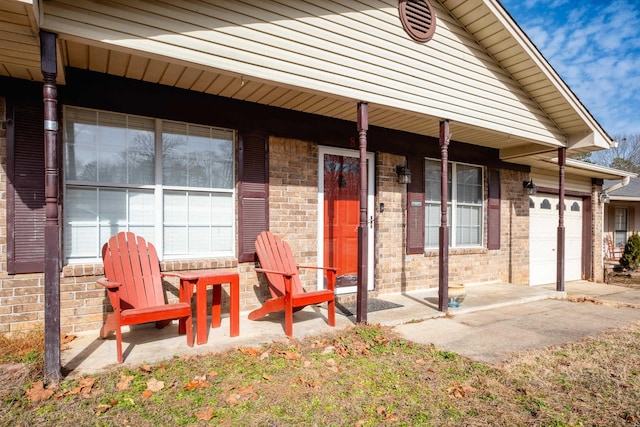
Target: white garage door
{"type": "Point", "coordinates": [543, 238]}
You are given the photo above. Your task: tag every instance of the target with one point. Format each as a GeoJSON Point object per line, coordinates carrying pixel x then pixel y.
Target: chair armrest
{"type": "Point", "coordinates": [109, 285]}
{"type": "Point", "coordinates": [169, 273]}
{"type": "Point", "coordinates": [319, 268]}
{"type": "Point", "coordinates": [283, 273]}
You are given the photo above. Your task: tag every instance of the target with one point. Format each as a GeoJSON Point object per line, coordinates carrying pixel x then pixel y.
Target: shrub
{"type": "Point", "coordinates": [631, 256]}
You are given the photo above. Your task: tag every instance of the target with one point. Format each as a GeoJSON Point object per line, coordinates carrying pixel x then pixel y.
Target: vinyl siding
{"type": "Point", "coordinates": [347, 49]}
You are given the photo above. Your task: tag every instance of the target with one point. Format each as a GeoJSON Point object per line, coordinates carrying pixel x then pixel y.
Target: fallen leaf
{"type": "Point", "coordinates": [155, 385]}
{"type": "Point", "coordinates": [290, 355]}
{"type": "Point", "coordinates": [67, 338]}
{"type": "Point", "coordinates": [458, 391]}
{"type": "Point", "coordinates": [307, 383]}
{"type": "Point", "coordinates": [232, 400]}
{"type": "Point", "coordinates": [146, 394]}
{"type": "Point", "coordinates": [146, 368]}
{"type": "Point", "coordinates": [101, 409]}
{"type": "Point", "coordinates": [205, 415]}
{"type": "Point", "coordinates": [84, 387]}
{"type": "Point", "coordinates": [264, 355]}
{"type": "Point", "coordinates": [195, 383]}
{"type": "Point", "coordinates": [86, 384]}
{"type": "Point", "coordinates": [245, 390]}
{"type": "Point", "coordinates": [38, 392]}
{"type": "Point", "coordinates": [249, 351]}
{"type": "Point", "coordinates": [125, 382]}
{"type": "Point", "coordinates": [266, 376]}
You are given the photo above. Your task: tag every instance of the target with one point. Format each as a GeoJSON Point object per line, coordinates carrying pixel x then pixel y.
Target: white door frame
{"type": "Point", "coordinates": [370, 213]}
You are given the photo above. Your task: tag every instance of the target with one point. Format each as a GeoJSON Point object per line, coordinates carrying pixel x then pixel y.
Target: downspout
{"type": "Point", "coordinates": [625, 181]}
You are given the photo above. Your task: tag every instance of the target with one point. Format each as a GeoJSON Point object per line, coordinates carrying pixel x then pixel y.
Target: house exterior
{"type": "Point", "coordinates": [621, 214]}
{"type": "Point", "coordinates": [197, 125]}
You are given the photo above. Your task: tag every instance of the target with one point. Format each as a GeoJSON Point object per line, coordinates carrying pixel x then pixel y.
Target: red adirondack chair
{"type": "Point", "coordinates": [278, 265]}
{"type": "Point", "coordinates": [134, 284]}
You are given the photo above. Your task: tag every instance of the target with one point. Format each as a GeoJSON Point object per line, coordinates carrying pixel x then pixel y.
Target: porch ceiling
{"type": "Point", "coordinates": [20, 58]}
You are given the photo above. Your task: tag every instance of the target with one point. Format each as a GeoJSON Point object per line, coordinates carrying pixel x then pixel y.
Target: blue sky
{"type": "Point", "coordinates": [595, 47]}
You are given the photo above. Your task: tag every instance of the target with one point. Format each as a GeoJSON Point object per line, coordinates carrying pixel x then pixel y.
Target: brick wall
{"type": "Point", "coordinates": [293, 200]}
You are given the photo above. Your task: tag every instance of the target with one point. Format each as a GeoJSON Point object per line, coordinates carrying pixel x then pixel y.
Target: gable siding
{"type": "Point", "coordinates": [348, 49]}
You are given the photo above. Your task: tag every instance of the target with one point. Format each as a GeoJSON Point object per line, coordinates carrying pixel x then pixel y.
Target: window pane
{"type": "Point", "coordinates": [198, 223]}
{"type": "Point", "coordinates": [93, 215]}
{"type": "Point", "coordinates": [432, 180]}
{"type": "Point", "coordinates": [469, 184]}
{"type": "Point", "coordinates": [469, 225]}
{"type": "Point", "coordinates": [197, 156]}
{"type": "Point", "coordinates": [108, 148]}
{"type": "Point", "coordinates": [81, 216]}
{"type": "Point", "coordinates": [621, 219]}
{"type": "Point", "coordinates": [620, 225]}
{"type": "Point", "coordinates": [432, 223]}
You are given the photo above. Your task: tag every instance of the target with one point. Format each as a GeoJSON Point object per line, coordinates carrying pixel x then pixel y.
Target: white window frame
{"type": "Point", "coordinates": [158, 190]}
{"type": "Point", "coordinates": [452, 205]}
{"type": "Point", "coordinates": [620, 227]}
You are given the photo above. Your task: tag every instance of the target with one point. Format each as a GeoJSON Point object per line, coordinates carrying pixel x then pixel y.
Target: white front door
{"type": "Point", "coordinates": [339, 214]}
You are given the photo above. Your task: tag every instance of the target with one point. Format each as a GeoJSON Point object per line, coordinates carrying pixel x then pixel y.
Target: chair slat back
{"type": "Point", "coordinates": [275, 254]}
{"type": "Point", "coordinates": [131, 261]}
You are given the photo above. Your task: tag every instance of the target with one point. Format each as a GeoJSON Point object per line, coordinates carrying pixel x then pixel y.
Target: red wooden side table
{"type": "Point", "coordinates": [201, 279]}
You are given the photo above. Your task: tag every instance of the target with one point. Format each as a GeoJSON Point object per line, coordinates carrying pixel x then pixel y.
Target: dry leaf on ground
{"type": "Point", "coordinates": [249, 351]}
{"type": "Point", "coordinates": [197, 382]}
{"type": "Point", "coordinates": [125, 382]}
{"type": "Point", "coordinates": [155, 385]}
{"type": "Point", "coordinates": [205, 415]}
{"type": "Point", "coordinates": [38, 392]}
{"type": "Point", "coordinates": [458, 391]}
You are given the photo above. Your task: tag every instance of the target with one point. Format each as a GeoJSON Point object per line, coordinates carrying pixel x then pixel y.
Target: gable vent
{"type": "Point", "coordinates": [418, 19]}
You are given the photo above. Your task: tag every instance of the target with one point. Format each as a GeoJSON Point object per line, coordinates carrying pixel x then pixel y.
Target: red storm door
{"type": "Point", "coordinates": [341, 217]}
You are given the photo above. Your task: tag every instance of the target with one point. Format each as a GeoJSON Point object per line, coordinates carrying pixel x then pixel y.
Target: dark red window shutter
{"type": "Point", "coordinates": [253, 192]}
{"type": "Point", "coordinates": [25, 187]}
{"type": "Point", "coordinates": [415, 206]}
{"type": "Point", "coordinates": [493, 209]}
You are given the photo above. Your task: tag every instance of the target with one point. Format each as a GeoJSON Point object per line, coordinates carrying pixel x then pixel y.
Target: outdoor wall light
{"type": "Point", "coordinates": [404, 174]}
{"type": "Point", "coordinates": [604, 198]}
{"type": "Point", "coordinates": [530, 187]}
